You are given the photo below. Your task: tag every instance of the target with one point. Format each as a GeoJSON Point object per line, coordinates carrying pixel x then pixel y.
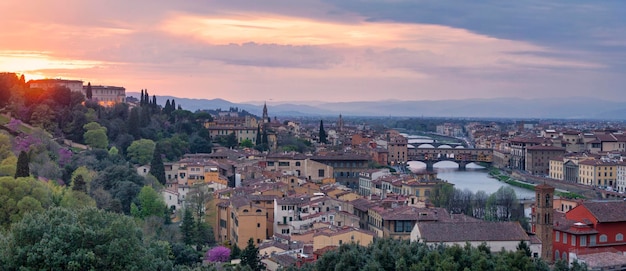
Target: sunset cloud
{"type": "Point", "coordinates": [316, 49]}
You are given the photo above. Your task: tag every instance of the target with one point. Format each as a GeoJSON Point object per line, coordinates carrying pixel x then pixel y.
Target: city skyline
{"type": "Point", "coordinates": [324, 51]}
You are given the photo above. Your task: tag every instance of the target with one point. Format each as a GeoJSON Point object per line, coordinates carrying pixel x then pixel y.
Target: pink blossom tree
{"type": "Point", "coordinates": [218, 254]}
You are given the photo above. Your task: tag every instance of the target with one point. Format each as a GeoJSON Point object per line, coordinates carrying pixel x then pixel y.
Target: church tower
{"type": "Point", "coordinates": [266, 117]}
{"type": "Point", "coordinates": [340, 124]}
{"type": "Point", "coordinates": [543, 219]}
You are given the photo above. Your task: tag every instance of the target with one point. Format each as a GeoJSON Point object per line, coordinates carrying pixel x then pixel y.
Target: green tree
{"type": "Point", "coordinates": [322, 133]}
{"type": "Point", "coordinates": [79, 184]}
{"type": "Point", "coordinates": [132, 124]}
{"type": "Point", "coordinates": [247, 143]}
{"type": "Point", "coordinates": [250, 256]}
{"type": "Point", "coordinates": [523, 247]}
{"type": "Point", "coordinates": [151, 203]}
{"type": "Point", "coordinates": [141, 151]}
{"type": "Point", "coordinates": [187, 228]}
{"type": "Point", "coordinates": [157, 169]}
{"type": "Point", "coordinates": [95, 135]}
{"type": "Point", "coordinates": [76, 199]}
{"type": "Point", "coordinates": [20, 196]}
{"type": "Point", "coordinates": [8, 166]}
{"type": "Point", "coordinates": [82, 239]}
{"type": "Point", "coordinates": [22, 168]}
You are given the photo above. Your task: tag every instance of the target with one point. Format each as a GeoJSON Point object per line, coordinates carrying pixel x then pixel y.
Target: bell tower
{"type": "Point", "coordinates": [543, 219]}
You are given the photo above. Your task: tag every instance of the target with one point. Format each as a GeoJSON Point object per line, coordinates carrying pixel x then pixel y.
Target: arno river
{"type": "Point", "coordinates": [474, 178]}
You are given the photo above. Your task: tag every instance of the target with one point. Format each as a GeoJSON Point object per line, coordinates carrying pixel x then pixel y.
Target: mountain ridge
{"type": "Point", "coordinates": [548, 108]}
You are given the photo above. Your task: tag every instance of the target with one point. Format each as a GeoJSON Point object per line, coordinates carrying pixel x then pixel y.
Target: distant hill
{"type": "Point", "coordinates": [566, 108]}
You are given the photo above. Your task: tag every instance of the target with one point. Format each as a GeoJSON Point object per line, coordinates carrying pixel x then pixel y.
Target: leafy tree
{"type": "Point", "coordinates": [218, 254]}
{"type": "Point", "coordinates": [151, 203]}
{"type": "Point", "coordinates": [8, 166]}
{"type": "Point", "coordinates": [83, 239]}
{"type": "Point", "coordinates": [141, 151]}
{"type": "Point", "coordinates": [76, 199]}
{"type": "Point", "coordinates": [22, 169]}
{"type": "Point", "coordinates": [184, 255]}
{"type": "Point", "coordinates": [95, 135]}
{"type": "Point", "coordinates": [157, 169]}
{"type": "Point", "coordinates": [322, 133]}
{"type": "Point", "coordinates": [20, 196]}
{"type": "Point", "coordinates": [250, 257]}
{"type": "Point", "coordinates": [247, 143]}
{"type": "Point", "coordinates": [121, 183]}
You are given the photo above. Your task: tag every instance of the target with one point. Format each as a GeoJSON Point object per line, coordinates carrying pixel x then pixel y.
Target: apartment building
{"type": "Point", "coordinates": [598, 173]}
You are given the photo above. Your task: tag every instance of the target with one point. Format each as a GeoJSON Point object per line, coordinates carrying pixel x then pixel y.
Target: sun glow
{"type": "Point", "coordinates": [38, 65]}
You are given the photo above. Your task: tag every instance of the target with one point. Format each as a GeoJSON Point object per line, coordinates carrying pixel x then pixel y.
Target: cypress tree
{"type": "Point", "coordinates": [141, 99]}
{"type": "Point", "coordinates": [80, 184]}
{"type": "Point", "coordinates": [157, 169]}
{"type": "Point", "coordinates": [188, 229]}
{"type": "Point", "coordinates": [322, 134]}
{"type": "Point", "coordinates": [167, 107]}
{"type": "Point", "coordinates": [89, 91]}
{"type": "Point", "coordinates": [250, 256]}
{"type": "Point", "coordinates": [258, 135]}
{"type": "Point", "coordinates": [173, 104]}
{"type": "Point", "coordinates": [133, 123]}
{"type": "Point", "coordinates": [154, 103]}
{"type": "Point", "coordinates": [180, 107]}
{"type": "Point", "coordinates": [22, 165]}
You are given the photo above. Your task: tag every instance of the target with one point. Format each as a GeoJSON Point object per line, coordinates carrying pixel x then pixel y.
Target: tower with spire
{"type": "Point", "coordinates": [340, 124]}
{"type": "Point", "coordinates": [266, 117]}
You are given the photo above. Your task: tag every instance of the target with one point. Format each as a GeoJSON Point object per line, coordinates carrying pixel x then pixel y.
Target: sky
{"type": "Point", "coordinates": [323, 50]}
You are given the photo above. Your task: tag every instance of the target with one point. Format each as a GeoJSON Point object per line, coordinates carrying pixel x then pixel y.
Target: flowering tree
{"type": "Point", "coordinates": [65, 156]}
{"type": "Point", "coordinates": [218, 254]}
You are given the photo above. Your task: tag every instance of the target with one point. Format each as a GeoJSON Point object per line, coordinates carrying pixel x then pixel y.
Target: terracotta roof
{"type": "Point", "coordinates": [607, 211]}
{"type": "Point", "coordinates": [472, 231]}
{"type": "Point", "coordinates": [544, 148]}
{"type": "Point", "coordinates": [603, 260]}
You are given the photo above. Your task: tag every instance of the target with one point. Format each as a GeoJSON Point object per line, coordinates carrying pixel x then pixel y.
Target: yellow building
{"type": "Point", "coordinates": [556, 168]}
{"type": "Point", "coordinates": [243, 217]}
{"type": "Point", "coordinates": [336, 237]}
{"type": "Point", "coordinates": [598, 172]}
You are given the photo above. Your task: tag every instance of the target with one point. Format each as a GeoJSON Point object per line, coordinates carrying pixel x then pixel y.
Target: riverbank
{"type": "Point", "coordinates": [503, 177]}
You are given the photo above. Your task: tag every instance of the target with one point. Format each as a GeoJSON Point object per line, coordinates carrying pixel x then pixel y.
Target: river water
{"type": "Point", "coordinates": [474, 178]}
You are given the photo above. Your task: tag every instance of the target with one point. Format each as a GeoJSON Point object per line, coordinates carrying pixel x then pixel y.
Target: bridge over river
{"type": "Point", "coordinates": [462, 156]}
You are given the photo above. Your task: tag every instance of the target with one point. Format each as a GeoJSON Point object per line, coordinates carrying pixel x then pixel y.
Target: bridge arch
{"type": "Point", "coordinates": [444, 146]}
{"type": "Point", "coordinates": [425, 146]}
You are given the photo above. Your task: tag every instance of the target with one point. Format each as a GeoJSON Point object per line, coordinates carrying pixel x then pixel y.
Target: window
{"type": "Point", "coordinates": [557, 255]}
{"type": "Point", "coordinates": [403, 226]}
{"type": "Point", "coordinates": [619, 237]}
{"type": "Point", "coordinates": [564, 256]}
{"type": "Point", "coordinates": [297, 164]}
{"type": "Point", "coordinates": [564, 238]}
{"type": "Point", "coordinates": [573, 240]}
{"type": "Point", "coordinates": [592, 240]}
{"type": "Point", "coordinates": [557, 236]}
{"type": "Point", "coordinates": [283, 164]}
{"type": "Point", "coordinates": [583, 241]}
{"type": "Point", "coordinates": [320, 173]}
{"type": "Point", "coordinates": [258, 225]}
{"type": "Point", "coordinates": [603, 238]}
{"type": "Point", "coordinates": [340, 242]}
{"type": "Point", "coordinates": [270, 163]}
